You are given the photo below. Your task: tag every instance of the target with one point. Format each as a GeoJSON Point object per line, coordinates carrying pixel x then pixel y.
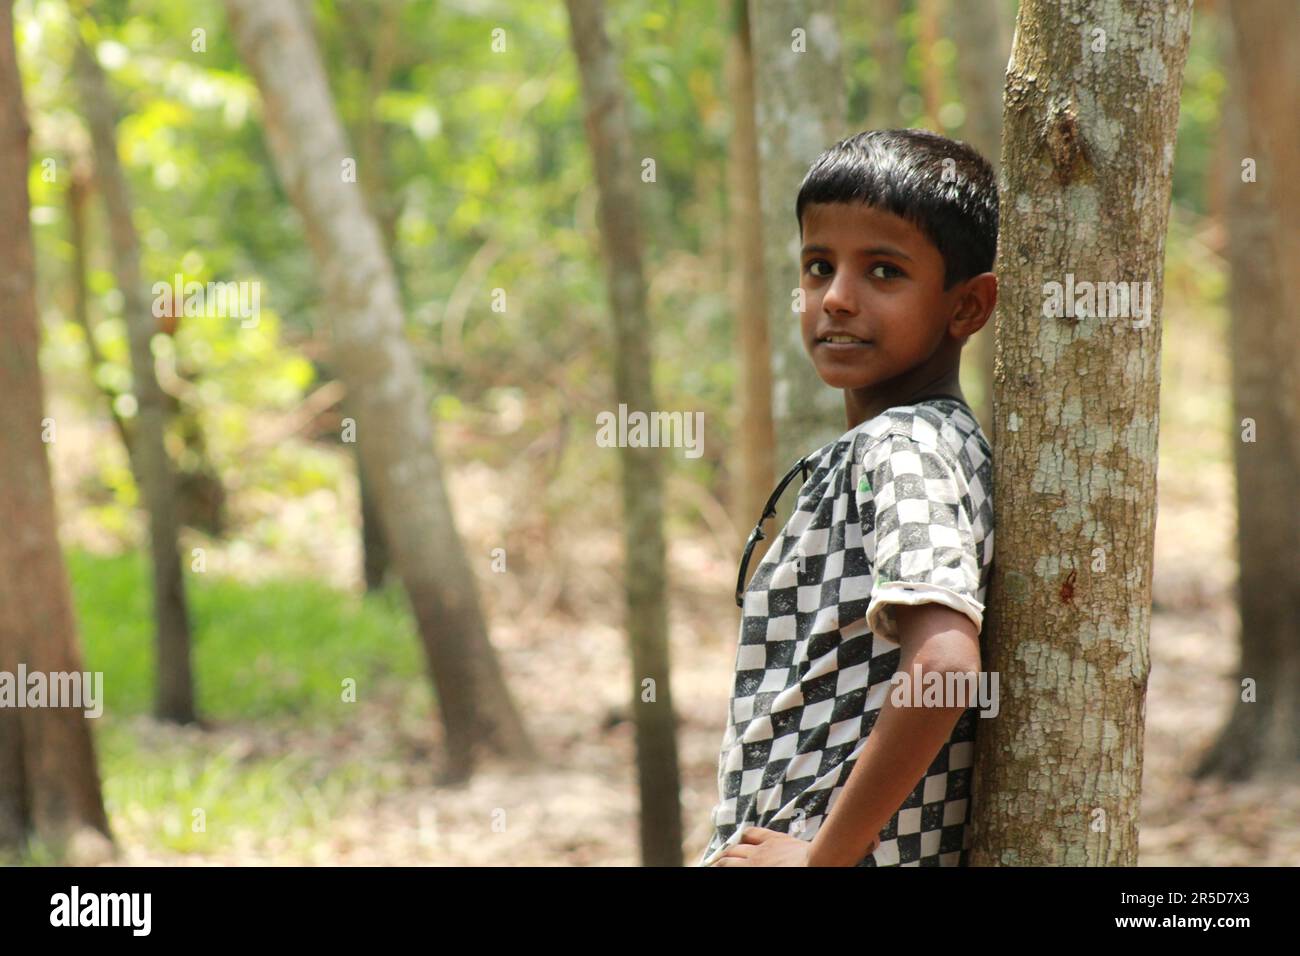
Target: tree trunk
{"type": "Point", "coordinates": [377, 35]}
{"type": "Point", "coordinates": [927, 38]}
{"type": "Point", "coordinates": [374, 546]}
{"type": "Point", "coordinates": [393, 427]}
{"type": "Point", "coordinates": [646, 611]}
{"type": "Point", "coordinates": [887, 48]}
{"type": "Point", "coordinates": [755, 468]}
{"type": "Point", "coordinates": [77, 196]}
{"type": "Point", "coordinates": [1261, 56]}
{"type": "Point", "coordinates": [801, 111]}
{"type": "Point", "coordinates": [49, 781]}
{"type": "Point", "coordinates": [981, 32]}
{"type": "Point", "coordinates": [175, 692]}
{"type": "Point", "coordinates": [1087, 154]}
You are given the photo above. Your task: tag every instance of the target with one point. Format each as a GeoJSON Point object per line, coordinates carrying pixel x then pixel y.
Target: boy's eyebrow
{"type": "Point", "coordinates": [872, 251]}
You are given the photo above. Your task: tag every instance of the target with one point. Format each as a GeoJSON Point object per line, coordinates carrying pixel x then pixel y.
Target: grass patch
{"type": "Point", "coordinates": [203, 793]}
{"type": "Point", "coordinates": [190, 796]}
{"type": "Point", "coordinates": [270, 655]}
{"type": "Point", "coordinates": [269, 648]}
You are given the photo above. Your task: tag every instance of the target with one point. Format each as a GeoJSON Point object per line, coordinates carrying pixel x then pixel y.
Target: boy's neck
{"type": "Point", "coordinates": [862, 404]}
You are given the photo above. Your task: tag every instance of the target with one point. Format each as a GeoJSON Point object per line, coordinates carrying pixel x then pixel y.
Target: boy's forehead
{"type": "Point", "coordinates": [849, 221]}
{"type": "Point", "coordinates": [856, 228]}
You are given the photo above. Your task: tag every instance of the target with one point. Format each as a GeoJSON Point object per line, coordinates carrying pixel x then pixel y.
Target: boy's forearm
{"type": "Point", "coordinates": [900, 748]}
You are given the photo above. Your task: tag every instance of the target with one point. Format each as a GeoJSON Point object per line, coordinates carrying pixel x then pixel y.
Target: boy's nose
{"type": "Point", "coordinates": [839, 296]}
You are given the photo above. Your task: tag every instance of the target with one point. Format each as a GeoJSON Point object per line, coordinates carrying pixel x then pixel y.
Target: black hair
{"type": "Point", "coordinates": [903, 171]}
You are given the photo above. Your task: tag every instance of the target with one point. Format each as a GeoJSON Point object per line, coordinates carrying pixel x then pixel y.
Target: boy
{"type": "Point", "coordinates": [884, 563]}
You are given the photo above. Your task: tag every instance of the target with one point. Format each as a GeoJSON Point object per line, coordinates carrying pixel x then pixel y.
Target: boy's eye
{"type": "Point", "coordinates": [813, 265]}
{"type": "Point", "coordinates": [890, 270]}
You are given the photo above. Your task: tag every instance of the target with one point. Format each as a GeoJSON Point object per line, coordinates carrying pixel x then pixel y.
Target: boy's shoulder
{"type": "Point", "coordinates": [945, 426]}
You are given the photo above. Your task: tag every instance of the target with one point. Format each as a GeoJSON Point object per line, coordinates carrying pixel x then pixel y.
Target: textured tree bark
{"type": "Point", "coordinates": [617, 184]}
{"type": "Point", "coordinates": [981, 32]}
{"type": "Point", "coordinates": [394, 430]}
{"type": "Point", "coordinates": [801, 111]}
{"type": "Point", "coordinates": [49, 781]}
{"type": "Point", "coordinates": [1262, 60]}
{"type": "Point", "coordinates": [755, 468]}
{"type": "Point", "coordinates": [153, 466]}
{"type": "Point", "coordinates": [1091, 111]}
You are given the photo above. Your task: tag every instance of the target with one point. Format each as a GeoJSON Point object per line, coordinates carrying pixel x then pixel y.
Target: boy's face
{"type": "Point", "coordinates": [873, 276]}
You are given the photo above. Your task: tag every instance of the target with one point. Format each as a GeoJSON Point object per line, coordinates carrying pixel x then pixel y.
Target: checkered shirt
{"type": "Point", "coordinates": [899, 510]}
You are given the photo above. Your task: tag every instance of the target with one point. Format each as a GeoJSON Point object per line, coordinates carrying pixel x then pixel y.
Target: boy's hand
{"type": "Point", "coordinates": [760, 846]}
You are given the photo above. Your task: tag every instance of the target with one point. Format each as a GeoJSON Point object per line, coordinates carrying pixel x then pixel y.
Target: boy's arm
{"type": "Point", "coordinates": [904, 741]}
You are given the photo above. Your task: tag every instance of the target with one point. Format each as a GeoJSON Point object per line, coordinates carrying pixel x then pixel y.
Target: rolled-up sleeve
{"type": "Point", "coordinates": [921, 534]}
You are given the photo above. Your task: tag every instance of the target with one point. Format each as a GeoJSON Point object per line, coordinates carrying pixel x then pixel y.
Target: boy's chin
{"type": "Point", "coordinates": [843, 378]}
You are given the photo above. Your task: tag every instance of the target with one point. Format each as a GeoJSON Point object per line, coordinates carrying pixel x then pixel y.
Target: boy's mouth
{"type": "Point", "coordinates": [841, 340]}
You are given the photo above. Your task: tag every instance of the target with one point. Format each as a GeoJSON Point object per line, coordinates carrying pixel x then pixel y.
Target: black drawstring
{"type": "Point", "coordinates": [769, 511]}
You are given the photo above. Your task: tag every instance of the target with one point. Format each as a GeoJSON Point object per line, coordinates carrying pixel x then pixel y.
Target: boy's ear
{"type": "Point", "coordinates": [975, 304]}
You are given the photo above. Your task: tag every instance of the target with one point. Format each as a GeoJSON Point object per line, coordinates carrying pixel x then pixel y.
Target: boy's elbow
{"type": "Point", "coordinates": [938, 639]}
{"type": "Point", "coordinates": [947, 660]}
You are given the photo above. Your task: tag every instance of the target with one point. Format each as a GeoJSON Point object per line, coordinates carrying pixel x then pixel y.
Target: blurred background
{"type": "Point", "coordinates": [478, 173]}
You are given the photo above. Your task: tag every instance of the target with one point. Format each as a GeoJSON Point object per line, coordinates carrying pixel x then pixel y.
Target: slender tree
{"type": "Point", "coordinates": [801, 111]}
{"type": "Point", "coordinates": [151, 463]}
{"type": "Point", "coordinates": [888, 50]}
{"type": "Point", "coordinates": [49, 781]}
{"type": "Point", "coordinates": [757, 446]}
{"type": "Point", "coordinates": [78, 194]}
{"type": "Point", "coordinates": [646, 620]}
{"type": "Point", "coordinates": [1087, 154]}
{"type": "Point", "coordinates": [928, 15]}
{"type": "Point", "coordinates": [981, 33]}
{"type": "Point", "coordinates": [375, 42]}
{"type": "Point", "coordinates": [1261, 47]}
{"type": "Point", "coordinates": [384, 387]}
{"type": "Point", "coordinates": [374, 546]}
